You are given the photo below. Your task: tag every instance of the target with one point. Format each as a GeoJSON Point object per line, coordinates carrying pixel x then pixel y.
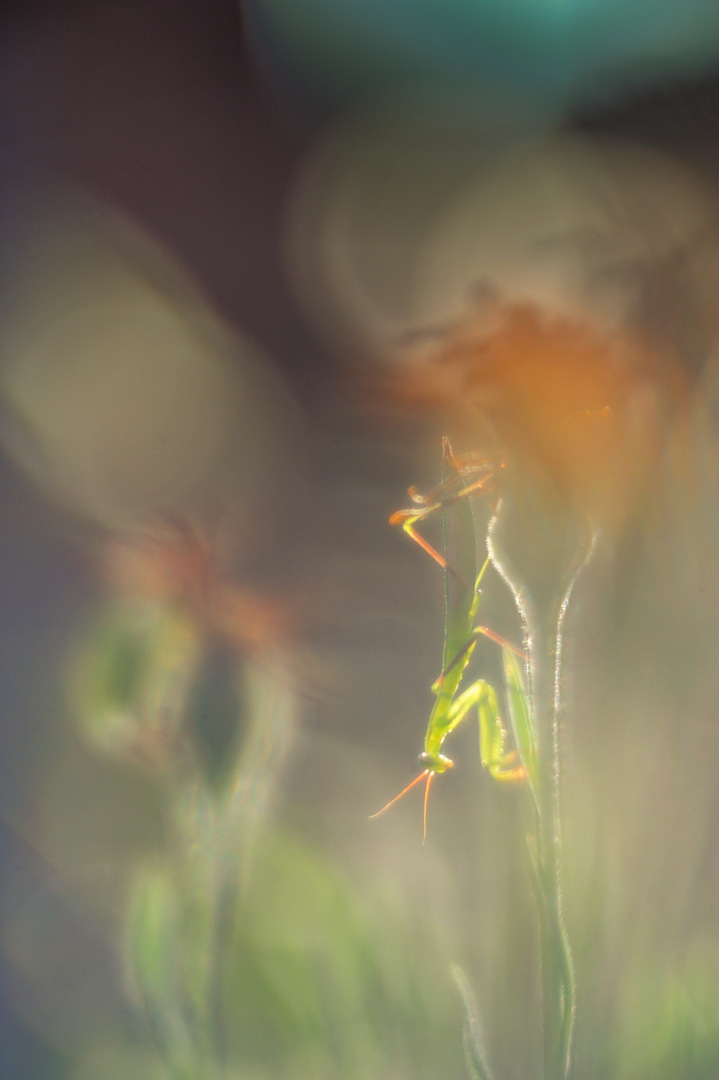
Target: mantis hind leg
{"type": "Point", "coordinates": [477, 632]}
{"type": "Point", "coordinates": [408, 519]}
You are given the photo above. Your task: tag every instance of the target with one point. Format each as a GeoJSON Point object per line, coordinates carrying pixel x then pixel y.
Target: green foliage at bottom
{"type": "Point", "coordinates": [669, 1026]}
{"type": "Point", "coordinates": [318, 985]}
{"type": "Point", "coordinates": [305, 977]}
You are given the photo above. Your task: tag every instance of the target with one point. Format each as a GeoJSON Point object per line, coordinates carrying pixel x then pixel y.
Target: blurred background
{"type": "Point", "coordinates": [230, 234]}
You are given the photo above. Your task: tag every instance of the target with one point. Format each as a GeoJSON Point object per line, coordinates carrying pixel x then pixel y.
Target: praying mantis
{"type": "Point", "coordinates": [462, 596]}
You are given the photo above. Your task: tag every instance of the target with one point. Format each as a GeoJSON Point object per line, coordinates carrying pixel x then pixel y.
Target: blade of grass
{"type": "Point", "coordinates": [474, 1052]}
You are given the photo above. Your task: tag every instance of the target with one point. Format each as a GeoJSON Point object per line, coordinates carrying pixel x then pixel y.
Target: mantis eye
{"type": "Point", "coordinates": [434, 763]}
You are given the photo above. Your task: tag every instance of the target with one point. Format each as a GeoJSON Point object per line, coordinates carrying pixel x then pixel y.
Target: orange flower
{"type": "Point", "coordinates": [176, 563]}
{"type": "Point", "coordinates": [587, 408]}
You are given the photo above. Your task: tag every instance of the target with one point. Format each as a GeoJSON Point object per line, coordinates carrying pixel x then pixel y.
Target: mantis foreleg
{"type": "Point", "coordinates": [500, 765]}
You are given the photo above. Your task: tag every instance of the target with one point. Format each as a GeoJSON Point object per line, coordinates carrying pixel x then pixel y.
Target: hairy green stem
{"type": "Point", "coordinates": [557, 970]}
{"type": "Point", "coordinates": [539, 544]}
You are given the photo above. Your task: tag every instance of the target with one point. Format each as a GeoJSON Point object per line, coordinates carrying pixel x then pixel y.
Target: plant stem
{"type": "Point", "coordinates": [544, 629]}
{"type": "Point", "coordinates": [539, 543]}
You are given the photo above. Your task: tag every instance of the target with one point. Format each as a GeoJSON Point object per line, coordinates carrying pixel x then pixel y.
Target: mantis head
{"type": "Point", "coordinates": [435, 763]}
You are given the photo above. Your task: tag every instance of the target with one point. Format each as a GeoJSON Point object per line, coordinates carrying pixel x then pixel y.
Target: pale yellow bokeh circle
{"type": "Point", "coordinates": [123, 393]}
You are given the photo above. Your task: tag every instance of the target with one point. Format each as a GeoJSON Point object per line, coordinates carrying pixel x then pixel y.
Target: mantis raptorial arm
{"type": "Point", "coordinates": [492, 735]}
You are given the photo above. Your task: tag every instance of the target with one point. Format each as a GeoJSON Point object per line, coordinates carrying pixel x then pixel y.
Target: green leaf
{"type": "Point", "coordinates": [491, 734]}
{"type": "Point", "coordinates": [520, 715]}
{"type": "Point", "coordinates": [168, 957]}
{"type": "Point", "coordinates": [152, 938]}
{"type": "Point", "coordinates": [128, 675]}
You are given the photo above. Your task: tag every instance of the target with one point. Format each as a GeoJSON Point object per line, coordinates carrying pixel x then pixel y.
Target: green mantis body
{"type": "Point", "coordinates": [462, 582]}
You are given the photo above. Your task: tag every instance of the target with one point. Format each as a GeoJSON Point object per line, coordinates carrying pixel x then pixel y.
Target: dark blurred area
{"type": "Point", "coordinates": [213, 236]}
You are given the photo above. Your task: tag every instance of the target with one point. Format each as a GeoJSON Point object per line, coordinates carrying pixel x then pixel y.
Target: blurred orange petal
{"type": "Point", "coordinates": [589, 408]}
